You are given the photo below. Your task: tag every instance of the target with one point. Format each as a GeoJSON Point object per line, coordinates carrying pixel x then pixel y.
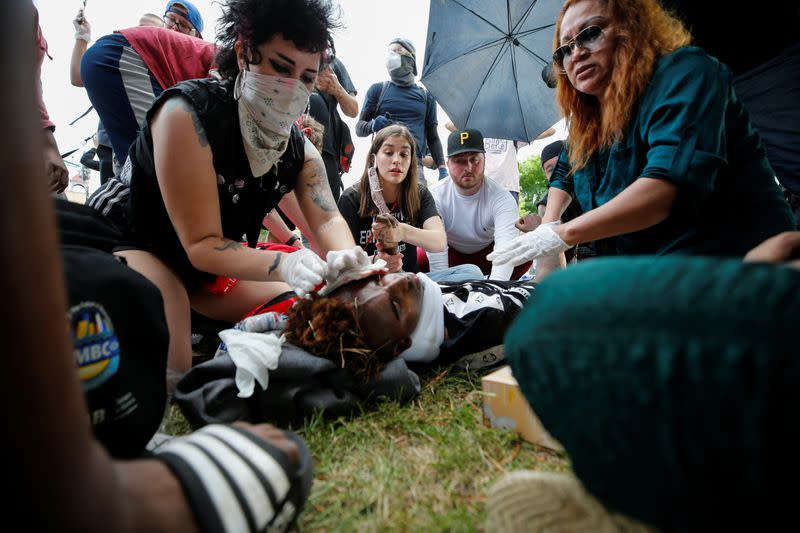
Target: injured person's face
{"type": "Point", "coordinates": [387, 308]}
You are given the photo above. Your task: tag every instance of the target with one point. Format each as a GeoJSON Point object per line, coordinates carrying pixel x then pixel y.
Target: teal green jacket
{"type": "Point", "coordinates": [691, 130]}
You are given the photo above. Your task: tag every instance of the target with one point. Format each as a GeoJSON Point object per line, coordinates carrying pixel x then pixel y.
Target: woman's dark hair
{"type": "Point", "coordinates": [408, 201]}
{"type": "Point", "coordinates": [307, 23]}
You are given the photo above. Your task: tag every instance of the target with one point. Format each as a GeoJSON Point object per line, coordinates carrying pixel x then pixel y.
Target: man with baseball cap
{"type": "Point", "coordinates": [182, 16]}
{"type": "Point", "coordinates": [477, 212]}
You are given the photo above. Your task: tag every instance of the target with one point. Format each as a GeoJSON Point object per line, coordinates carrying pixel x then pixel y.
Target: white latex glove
{"type": "Point", "coordinates": [302, 270]}
{"type": "Point", "coordinates": [540, 242]}
{"type": "Point", "coordinates": [83, 30]}
{"type": "Point", "coordinates": [340, 261]}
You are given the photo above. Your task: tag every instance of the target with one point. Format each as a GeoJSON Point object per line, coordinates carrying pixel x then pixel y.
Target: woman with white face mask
{"type": "Point", "coordinates": [214, 156]}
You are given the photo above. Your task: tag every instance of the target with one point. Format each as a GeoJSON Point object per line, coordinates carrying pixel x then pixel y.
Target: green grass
{"type": "Point", "coordinates": [421, 466]}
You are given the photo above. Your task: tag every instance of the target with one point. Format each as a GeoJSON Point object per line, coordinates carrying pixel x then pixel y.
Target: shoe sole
{"type": "Point", "coordinates": [491, 357]}
{"type": "Point", "coordinates": [525, 501]}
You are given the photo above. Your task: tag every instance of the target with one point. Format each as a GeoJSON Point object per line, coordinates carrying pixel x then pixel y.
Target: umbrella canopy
{"type": "Point", "coordinates": [484, 61]}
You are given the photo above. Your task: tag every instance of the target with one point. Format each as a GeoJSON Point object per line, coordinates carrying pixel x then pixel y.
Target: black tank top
{"type": "Point", "coordinates": [243, 198]}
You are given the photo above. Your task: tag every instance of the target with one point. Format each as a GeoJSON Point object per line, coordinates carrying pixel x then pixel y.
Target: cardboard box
{"type": "Point", "coordinates": [504, 406]}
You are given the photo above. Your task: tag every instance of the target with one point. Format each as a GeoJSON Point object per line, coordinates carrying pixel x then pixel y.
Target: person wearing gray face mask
{"type": "Point", "coordinates": [401, 101]}
{"type": "Point", "coordinates": [401, 65]}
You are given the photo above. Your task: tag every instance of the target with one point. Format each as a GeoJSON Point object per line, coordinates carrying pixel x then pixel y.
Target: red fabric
{"type": "Point", "coordinates": [171, 56]}
{"type": "Point", "coordinates": [276, 247]}
{"type": "Point", "coordinates": [281, 304]}
{"type": "Point", "coordinates": [221, 286]}
{"type": "Point", "coordinates": [456, 258]}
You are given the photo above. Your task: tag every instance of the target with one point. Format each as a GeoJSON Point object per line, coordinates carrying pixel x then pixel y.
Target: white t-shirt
{"type": "Point", "coordinates": [473, 222]}
{"type": "Point", "coordinates": [501, 163]}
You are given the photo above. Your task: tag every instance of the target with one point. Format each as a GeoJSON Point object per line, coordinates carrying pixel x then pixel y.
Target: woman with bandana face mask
{"type": "Point", "coordinates": [401, 101]}
{"type": "Point", "coordinates": [214, 156]}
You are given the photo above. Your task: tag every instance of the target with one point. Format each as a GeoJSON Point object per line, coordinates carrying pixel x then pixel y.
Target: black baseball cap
{"type": "Point", "coordinates": [552, 150]}
{"type": "Point", "coordinates": [461, 141]}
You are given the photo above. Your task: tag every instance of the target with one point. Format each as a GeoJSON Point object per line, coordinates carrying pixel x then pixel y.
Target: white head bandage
{"type": "Point", "coordinates": [429, 333]}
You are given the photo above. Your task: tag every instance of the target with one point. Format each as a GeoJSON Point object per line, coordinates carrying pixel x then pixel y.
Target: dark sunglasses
{"type": "Point", "coordinates": [587, 39]}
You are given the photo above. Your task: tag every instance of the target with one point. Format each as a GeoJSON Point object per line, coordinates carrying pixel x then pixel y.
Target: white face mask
{"type": "Point", "coordinates": [393, 61]}
{"type": "Point", "coordinates": [268, 106]}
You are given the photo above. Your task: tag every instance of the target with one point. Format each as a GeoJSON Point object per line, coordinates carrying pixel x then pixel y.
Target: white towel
{"type": "Point", "coordinates": [254, 355]}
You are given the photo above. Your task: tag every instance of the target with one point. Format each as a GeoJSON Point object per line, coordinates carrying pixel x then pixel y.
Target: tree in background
{"type": "Point", "coordinates": [532, 184]}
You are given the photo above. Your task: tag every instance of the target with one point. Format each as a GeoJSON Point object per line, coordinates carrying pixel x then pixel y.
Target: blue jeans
{"type": "Point", "coordinates": [465, 272]}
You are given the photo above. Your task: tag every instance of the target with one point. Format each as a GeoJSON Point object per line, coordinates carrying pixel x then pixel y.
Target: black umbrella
{"type": "Point", "coordinates": [484, 63]}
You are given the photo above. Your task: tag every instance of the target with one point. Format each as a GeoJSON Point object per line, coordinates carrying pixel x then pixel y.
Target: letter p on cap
{"type": "Point", "coordinates": [463, 136]}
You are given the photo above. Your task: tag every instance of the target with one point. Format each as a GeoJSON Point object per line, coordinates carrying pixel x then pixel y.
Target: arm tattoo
{"type": "Point", "coordinates": [318, 187]}
{"type": "Point", "coordinates": [276, 264]}
{"type": "Point", "coordinates": [321, 195]}
{"type": "Point", "coordinates": [227, 244]}
{"type": "Point", "coordinates": [181, 103]}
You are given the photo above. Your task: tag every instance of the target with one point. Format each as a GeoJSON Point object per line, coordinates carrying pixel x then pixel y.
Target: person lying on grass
{"type": "Point", "coordinates": [365, 318]}
{"type": "Point", "coordinates": [364, 323]}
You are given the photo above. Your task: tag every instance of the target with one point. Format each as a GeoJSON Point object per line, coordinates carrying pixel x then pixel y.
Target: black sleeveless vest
{"type": "Point", "coordinates": [243, 198]}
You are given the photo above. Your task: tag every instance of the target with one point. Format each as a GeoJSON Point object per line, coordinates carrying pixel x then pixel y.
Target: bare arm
{"type": "Point", "coordinates": [78, 49]}
{"type": "Point", "coordinates": [431, 236]}
{"type": "Point", "coordinates": [327, 228]}
{"type": "Point", "coordinates": [291, 208]}
{"type": "Point", "coordinates": [557, 203]}
{"type": "Point", "coordinates": [547, 265]}
{"type": "Point", "coordinates": [781, 248]}
{"type": "Point", "coordinates": [348, 103]}
{"type": "Point", "coordinates": [276, 226]}
{"type": "Point", "coordinates": [644, 203]}
{"type": "Point", "coordinates": [55, 169]}
{"type": "Point", "coordinates": [83, 31]}
{"type": "Point", "coordinates": [329, 83]}
{"type": "Point", "coordinates": [186, 177]}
